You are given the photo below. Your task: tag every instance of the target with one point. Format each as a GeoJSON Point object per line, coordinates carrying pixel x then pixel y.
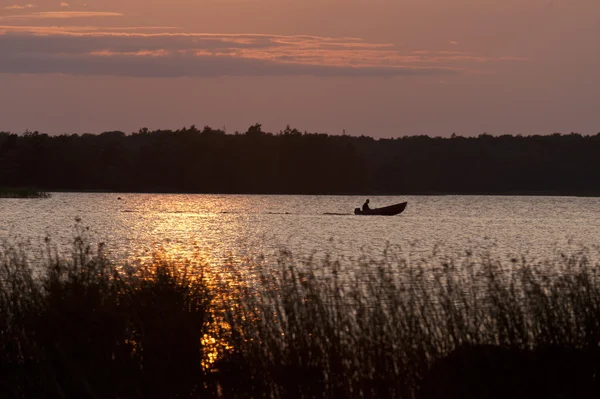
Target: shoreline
{"type": "Point", "coordinates": [373, 194]}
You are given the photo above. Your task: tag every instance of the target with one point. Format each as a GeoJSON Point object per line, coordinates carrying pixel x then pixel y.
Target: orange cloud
{"type": "Point", "coordinates": [76, 49]}
{"type": "Point", "coordinates": [19, 7]}
{"type": "Point", "coordinates": [62, 15]}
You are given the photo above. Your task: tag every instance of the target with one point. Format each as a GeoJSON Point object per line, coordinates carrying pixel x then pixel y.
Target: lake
{"type": "Point", "coordinates": [239, 227]}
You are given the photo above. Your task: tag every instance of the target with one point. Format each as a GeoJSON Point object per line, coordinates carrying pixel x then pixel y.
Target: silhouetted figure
{"type": "Point", "coordinates": [366, 206]}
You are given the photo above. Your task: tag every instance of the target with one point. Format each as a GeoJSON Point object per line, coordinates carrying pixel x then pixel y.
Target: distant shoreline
{"type": "Point", "coordinates": [23, 192]}
{"type": "Point", "coordinates": [295, 163]}
{"type": "Point", "coordinates": [424, 194]}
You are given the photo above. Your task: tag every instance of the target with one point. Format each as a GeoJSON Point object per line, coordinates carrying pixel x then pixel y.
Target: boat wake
{"type": "Point", "coordinates": [254, 213]}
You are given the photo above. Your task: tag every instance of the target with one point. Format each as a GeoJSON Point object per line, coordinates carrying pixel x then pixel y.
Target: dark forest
{"type": "Point", "coordinates": [191, 160]}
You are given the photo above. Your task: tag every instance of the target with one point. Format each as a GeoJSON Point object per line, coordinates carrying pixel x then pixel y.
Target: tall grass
{"type": "Point", "coordinates": [311, 331]}
{"type": "Point", "coordinates": [86, 327]}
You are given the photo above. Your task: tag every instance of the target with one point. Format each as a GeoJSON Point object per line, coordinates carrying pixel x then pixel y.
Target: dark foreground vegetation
{"type": "Point", "coordinates": [292, 162]}
{"type": "Point", "coordinates": [83, 327]}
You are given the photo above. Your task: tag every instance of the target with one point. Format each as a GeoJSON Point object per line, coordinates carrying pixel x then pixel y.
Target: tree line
{"type": "Point", "coordinates": [208, 160]}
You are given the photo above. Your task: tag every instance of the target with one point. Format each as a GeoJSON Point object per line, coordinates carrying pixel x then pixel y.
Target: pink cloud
{"type": "Point", "coordinates": [62, 15]}
{"type": "Point", "coordinates": [20, 7]}
{"type": "Point", "coordinates": [157, 52]}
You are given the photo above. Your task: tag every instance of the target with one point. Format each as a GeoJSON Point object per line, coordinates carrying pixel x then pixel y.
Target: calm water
{"type": "Point", "coordinates": [236, 227]}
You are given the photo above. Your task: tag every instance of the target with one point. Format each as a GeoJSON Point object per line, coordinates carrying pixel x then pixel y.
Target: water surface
{"type": "Point", "coordinates": [222, 227]}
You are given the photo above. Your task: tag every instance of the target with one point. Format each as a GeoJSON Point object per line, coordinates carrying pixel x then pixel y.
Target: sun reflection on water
{"type": "Point", "coordinates": [199, 235]}
{"type": "Point", "coordinates": [217, 229]}
{"type": "Point", "coordinates": [225, 280]}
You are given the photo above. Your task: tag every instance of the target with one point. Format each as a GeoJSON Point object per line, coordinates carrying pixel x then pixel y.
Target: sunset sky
{"type": "Point", "coordinates": [383, 68]}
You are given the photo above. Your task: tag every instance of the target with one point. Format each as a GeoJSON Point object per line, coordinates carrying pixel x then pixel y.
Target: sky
{"type": "Point", "coordinates": [382, 68]}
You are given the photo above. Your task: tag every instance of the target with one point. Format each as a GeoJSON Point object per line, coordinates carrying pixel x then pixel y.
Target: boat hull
{"type": "Point", "coordinates": [391, 210]}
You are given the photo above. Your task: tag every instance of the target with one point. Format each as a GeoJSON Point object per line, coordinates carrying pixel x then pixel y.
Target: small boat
{"type": "Point", "coordinates": [385, 211]}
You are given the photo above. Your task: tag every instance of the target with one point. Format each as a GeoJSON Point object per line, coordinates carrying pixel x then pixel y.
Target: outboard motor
{"type": "Point", "coordinates": [357, 211]}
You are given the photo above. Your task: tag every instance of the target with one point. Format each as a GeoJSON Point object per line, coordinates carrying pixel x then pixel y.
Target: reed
{"type": "Point", "coordinates": [311, 330]}
{"type": "Point", "coordinates": [84, 326]}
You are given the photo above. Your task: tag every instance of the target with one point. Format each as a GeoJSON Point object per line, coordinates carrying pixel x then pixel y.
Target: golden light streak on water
{"type": "Point", "coordinates": [224, 278]}
{"type": "Point", "coordinates": [224, 274]}
{"type": "Point", "coordinates": [227, 282]}
{"type": "Point", "coordinates": [223, 281]}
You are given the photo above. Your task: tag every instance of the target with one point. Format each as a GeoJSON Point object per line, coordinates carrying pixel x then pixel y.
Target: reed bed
{"type": "Point", "coordinates": [331, 328]}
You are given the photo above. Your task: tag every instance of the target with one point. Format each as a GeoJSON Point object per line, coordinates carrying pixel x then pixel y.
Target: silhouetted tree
{"type": "Point", "coordinates": [294, 162]}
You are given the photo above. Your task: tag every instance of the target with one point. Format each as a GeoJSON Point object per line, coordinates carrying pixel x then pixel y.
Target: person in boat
{"type": "Point", "coordinates": [365, 206]}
